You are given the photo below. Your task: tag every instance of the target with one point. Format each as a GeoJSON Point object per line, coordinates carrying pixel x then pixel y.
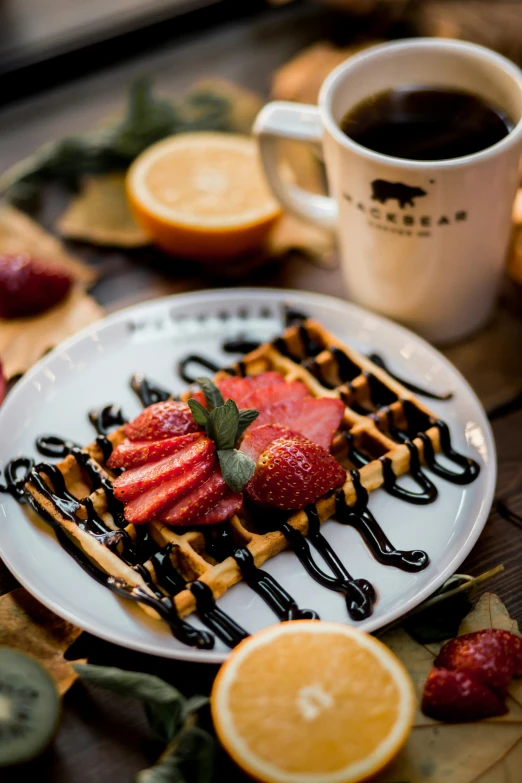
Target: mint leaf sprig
{"type": "Point", "coordinates": [224, 424]}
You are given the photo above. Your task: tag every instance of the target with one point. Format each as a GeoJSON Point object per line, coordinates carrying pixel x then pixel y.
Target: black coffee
{"type": "Point", "coordinates": [426, 123]}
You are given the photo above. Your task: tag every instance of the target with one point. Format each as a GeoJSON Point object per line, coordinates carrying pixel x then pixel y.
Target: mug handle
{"type": "Point", "coordinates": [300, 122]}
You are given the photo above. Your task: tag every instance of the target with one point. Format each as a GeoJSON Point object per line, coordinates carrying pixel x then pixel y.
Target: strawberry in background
{"type": "Point", "coordinates": [3, 384]}
{"type": "Point", "coordinates": [28, 286]}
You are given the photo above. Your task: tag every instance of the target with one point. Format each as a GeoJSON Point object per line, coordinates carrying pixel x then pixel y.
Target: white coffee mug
{"type": "Point", "coordinates": [423, 242]}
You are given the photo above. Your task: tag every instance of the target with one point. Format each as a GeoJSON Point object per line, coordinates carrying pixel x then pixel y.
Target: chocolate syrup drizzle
{"type": "Point", "coordinates": [417, 423]}
{"type": "Point", "coordinates": [360, 517]}
{"type": "Point", "coordinates": [147, 391]}
{"type": "Point", "coordinates": [359, 593]}
{"type": "Point", "coordinates": [377, 359]}
{"type": "Point", "coordinates": [220, 544]}
{"type": "Point", "coordinates": [194, 358]}
{"type": "Point", "coordinates": [131, 551]}
{"type": "Point", "coordinates": [428, 492]}
{"type": "Point", "coordinates": [14, 483]}
{"type": "Point", "coordinates": [105, 419]}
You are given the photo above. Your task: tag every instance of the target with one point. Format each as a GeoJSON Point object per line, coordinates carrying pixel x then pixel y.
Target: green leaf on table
{"type": "Point", "coordinates": [212, 394]}
{"type": "Point", "coordinates": [236, 468]}
{"type": "Point", "coordinates": [222, 425]}
{"type": "Point", "coordinates": [189, 758]}
{"type": "Point", "coordinates": [165, 706]}
{"type": "Point", "coordinates": [441, 621]}
{"type": "Point", "coordinates": [199, 413]}
{"type": "Point", "coordinates": [148, 120]}
{"type": "Point", "coordinates": [246, 417]}
{"type": "Point", "coordinates": [112, 148]}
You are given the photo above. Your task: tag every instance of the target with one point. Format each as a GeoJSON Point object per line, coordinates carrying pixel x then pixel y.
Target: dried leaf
{"type": "Point", "coordinates": [488, 751]}
{"type": "Point", "coordinates": [100, 214]}
{"type": "Point", "coordinates": [291, 233]}
{"type": "Point", "coordinates": [301, 78]}
{"type": "Point", "coordinates": [497, 25]}
{"type": "Point", "coordinates": [24, 340]}
{"type": "Point", "coordinates": [27, 626]}
{"type": "Point", "coordinates": [20, 234]}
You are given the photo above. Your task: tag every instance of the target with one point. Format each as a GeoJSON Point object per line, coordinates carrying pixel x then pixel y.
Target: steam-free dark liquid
{"type": "Point", "coordinates": [426, 123]}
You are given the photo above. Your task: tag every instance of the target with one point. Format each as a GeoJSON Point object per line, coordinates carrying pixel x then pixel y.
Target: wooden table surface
{"type": "Point", "coordinates": [104, 737]}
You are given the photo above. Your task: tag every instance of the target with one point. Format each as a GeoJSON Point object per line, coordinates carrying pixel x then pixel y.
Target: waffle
{"type": "Point", "coordinates": [385, 432]}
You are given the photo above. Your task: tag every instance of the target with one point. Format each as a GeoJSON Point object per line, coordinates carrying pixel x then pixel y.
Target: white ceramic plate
{"type": "Point", "coordinates": [93, 368]}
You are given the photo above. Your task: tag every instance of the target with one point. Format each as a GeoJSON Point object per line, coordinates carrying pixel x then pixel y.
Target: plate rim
{"type": "Point", "coordinates": [217, 657]}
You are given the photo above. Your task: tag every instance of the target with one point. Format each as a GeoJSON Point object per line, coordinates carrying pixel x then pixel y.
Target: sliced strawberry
{"type": "Point", "coordinates": [490, 656]}
{"type": "Point", "coordinates": [234, 388]}
{"type": "Point", "coordinates": [259, 399]}
{"type": "Point", "coordinates": [293, 472]}
{"type": "Point", "coordinates": [136, 480]}
{"type": "Point", "coordinates": [162, 420]}
{"type": "Point", "coordinates": [257, 439]}
{"type": "Point", "coordinates": [316, 419]}
{"type": "Point", "coordinates": [225, 509]}
{"type": "Point", "coordinates": [269, 378]}
{"type": "Point", "coordinates": [455, 696]}
{"type": "Point", "coordinates": [197, 503]}
{"type": "Point", "coordinates": [147, 506]}
{"type": "Point", "coordinates": [129, 454]}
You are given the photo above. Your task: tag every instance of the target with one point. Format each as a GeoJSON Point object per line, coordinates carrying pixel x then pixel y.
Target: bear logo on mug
{"type": "Point", "coordinates": [383, 191]}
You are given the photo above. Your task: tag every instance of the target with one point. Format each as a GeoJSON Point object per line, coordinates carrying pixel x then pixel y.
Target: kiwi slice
{"type": "Point", "coordinates": [29, 707]}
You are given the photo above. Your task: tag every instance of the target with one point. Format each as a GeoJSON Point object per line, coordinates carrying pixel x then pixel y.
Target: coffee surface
{"type": "Point", "coordinates": [426, 123]}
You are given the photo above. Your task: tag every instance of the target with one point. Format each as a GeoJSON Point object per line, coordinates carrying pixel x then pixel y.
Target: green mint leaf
{"type": "Point", "coordinates": [212, 394]}
{"type": "Point", "coordinates": [165, 706]}
{"type": "Point", "coordinates": [246, 417]}
{"type": "Point", "coordinates": [222, 425]}
{"type": "Point", "coordinates": [189, 758]}
{"type": "Point", "coordinates": [236, 468]}
{"type": "Point", "coordinates": [199, 413]}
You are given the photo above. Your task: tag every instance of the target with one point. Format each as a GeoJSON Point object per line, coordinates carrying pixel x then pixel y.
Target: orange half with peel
{"type": "Point", "coordinates": [202, 195]}
{"type": "Point", "coordinates": [312, 702]}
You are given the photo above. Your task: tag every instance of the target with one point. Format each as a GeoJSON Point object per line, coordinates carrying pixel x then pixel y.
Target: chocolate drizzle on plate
{"type": "Point", "coordinates": [240, 344]}
{"type": "Point", "coordinates": [360, 594]}
{"type": "Point", "coordinates": [16, 473]}
{"type": "Point", "coordinates": [220, 544]}
{"type": "Point", "coordinates": [195, 358]}
{"type": "Point", "coordinates": [67, 507]}
{"type": "Point", "coordinates": [377, 359]}
{"type": "Point", "coordinates": [360, 517]}
{"type": "Point", "coordinates": [428, 492]}
{"type": "Point", "coordinates": [105, 419]}
{"type": "Point", "coordinates": [470, 468]}
{"type": "Point", "coordinates": [223, 626]}
{"type": "Point", "coordinates": [147, 391]}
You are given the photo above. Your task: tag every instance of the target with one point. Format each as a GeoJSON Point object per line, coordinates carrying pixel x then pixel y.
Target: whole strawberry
{"type": "Point", "coordinates": [491, 656]}
{"type": "Point", "coordinates": [455, 697]}
{"type": "Point", "coordinates": [29, 286]}
{"type": "Point", "coordinates": [293, 472]}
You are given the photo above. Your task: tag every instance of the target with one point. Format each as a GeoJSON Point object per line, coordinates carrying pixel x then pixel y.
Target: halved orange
{"type": "Point", "coordinates": [202, 195]}
{"type": "Point", "coordinates": [312, 702]}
